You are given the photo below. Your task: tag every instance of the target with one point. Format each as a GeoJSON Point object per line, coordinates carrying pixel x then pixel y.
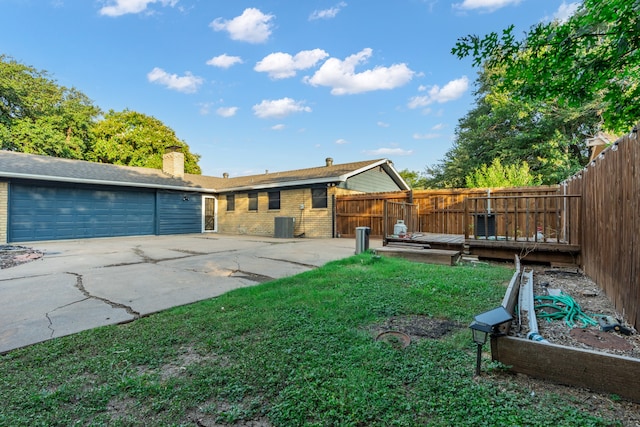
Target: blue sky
{"type": "Point", "coordinates": [273, 84]}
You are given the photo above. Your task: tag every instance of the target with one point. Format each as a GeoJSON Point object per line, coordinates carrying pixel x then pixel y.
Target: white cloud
{"type": "Point", "coordinates": [565, 11]}
{"type": "Point", "coordinates": [252, 26]}
{"type": "Point", "coordinates": [186, 84]}
{"type": "Point", "coordinates": [278, 127]}
{"type": "Point", "coordinates": [279, 108]}
{"type": "Point", "coordinates": [485, 5]}
{"type": "Point", "coordinates": [383, 124]}
{"type": "Point", "coordinates": [439, 126]}
{"type": "Point", "coordinates": [123, 7]}
{"type": "Point", "coordinates": [450, 92]}
{"type": "Point", "coordinates": [327, 13]}
{"type": "Point", "coordinates": [227, 111]}
{"type": "Point", "coordinates": [389, 152]}
{"type": "Point", "coordinates": [224, 61]}
{"type": "Point", "coordinates": [341, 141]}
{"type": "Point", "coordinates": [281, 65]}
{"type": "Point", "coordinates": [426, 136]}
{"type": "Point", "coordinates": [341, 77]}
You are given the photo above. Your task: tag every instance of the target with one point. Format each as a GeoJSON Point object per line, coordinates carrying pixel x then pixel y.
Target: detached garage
{"type": "Point", "coordinates": [70, 199]}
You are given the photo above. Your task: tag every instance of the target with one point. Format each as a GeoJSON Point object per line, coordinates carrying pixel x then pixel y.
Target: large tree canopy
{"type": "Point", "coordinates": [135, 139]}
{"type": "Point", "coordinates": [38, 116]}
{"type": "Point", "coordinates": [539, 98]}
{"type": "Point", "coordinates": [549, 138]}
{"type": "Point", "coordinates": [592, 58]}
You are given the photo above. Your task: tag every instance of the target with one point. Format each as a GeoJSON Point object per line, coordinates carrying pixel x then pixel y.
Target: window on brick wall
{"type": "Point", "coordinates": [274, 200]}
{"type": "Point", "coordinates": [231, 202]}
{"type": "Point", "coordinates": [253, 201]}
{"type": "Point", "coordinates": [318, 198]}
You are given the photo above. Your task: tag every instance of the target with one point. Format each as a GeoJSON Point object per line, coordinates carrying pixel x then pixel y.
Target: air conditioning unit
{"type": "Point", "coordinates": [284, 227]}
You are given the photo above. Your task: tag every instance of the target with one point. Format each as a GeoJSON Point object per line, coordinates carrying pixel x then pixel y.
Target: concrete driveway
{"type": "Point", "coordinates": [83, 284]}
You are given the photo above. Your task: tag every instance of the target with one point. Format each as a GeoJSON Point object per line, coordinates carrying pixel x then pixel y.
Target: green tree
{"type": "Point", "coordinates": [416, 180]}
{"type": "Point", "coordinates": [39, 116]}
{"type": "Point", "coordinates": [135, 139]}
{"type": "Point", "coordinates": [549, 138]}
{"type": "Point", "coordinates": [592, 58]}
{"type": "Point", "coordinates": [497, 175]}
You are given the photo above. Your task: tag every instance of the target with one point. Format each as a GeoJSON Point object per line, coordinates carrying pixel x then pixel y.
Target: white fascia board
{"type": "Point", "coordinates": [379, 163]}
{"type": "Point", "coordinates": [104, 182]}
{"type": "Point", "coordinates": [399, 178]}
{"type": "Point", "coordinates": [364, 169]}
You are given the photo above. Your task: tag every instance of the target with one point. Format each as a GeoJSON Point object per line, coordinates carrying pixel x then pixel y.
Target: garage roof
{"type": "Point", "coordinates": [37, 167]}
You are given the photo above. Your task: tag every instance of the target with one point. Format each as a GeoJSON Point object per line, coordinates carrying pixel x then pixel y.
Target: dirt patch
{"type": "Point", "coordinates": [593, 302]}
{"type": "Point", "coordinates": [416, 327]}
{"type": "Point", "coordinates": [11, 255]}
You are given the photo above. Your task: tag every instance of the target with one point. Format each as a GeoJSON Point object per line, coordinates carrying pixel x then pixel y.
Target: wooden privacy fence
{"type": "Point", "coordinates": [443, 211]}
{"type": "Point", "coordinates": [438, 211]}
{"type": "Point", "coordinates": [364, 210]}
{"type": "Point", "coordinates": [394, 212]}
{"type": "Point", "coordinates": [610, 241]}
{"type": "Point", "coordinates": [533, 218]}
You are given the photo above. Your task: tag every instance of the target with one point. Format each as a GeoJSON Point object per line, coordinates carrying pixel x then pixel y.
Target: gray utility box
{"type": "Point", "coordinates": [362, 239]}
{"type": "Point", "coordinates": [284, 227]}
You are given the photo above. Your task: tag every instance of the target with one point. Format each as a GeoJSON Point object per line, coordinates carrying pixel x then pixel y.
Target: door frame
{"type": "Point", "coordinates": [205, 198]}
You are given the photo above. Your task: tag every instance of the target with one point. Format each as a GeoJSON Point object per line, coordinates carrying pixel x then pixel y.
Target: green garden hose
{"type": "Point", "coordinates": [562, 307]}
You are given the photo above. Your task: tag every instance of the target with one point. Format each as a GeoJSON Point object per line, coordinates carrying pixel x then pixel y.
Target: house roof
{"type": "Point", "coordinates": [31, 166]}
{"type": "Point", "coordinates": [299, 177]}
{"type": "Point", "coordinates": [37, 167]}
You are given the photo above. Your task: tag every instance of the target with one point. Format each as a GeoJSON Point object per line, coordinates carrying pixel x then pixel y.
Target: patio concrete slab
{"type": "Point", "coordinates": [82, 284]}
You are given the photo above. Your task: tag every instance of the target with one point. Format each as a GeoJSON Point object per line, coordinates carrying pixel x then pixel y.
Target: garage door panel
{"type": "Point", "coordinates": [50, 213]}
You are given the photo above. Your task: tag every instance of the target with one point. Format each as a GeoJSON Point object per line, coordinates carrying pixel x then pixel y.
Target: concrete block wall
{"type": "Point", "coordinates": [4, 208]}
{"type": "Point", "coordinates": [293, 203]}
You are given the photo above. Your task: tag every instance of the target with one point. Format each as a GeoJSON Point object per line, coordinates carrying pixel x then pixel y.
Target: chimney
{"type": "Point", "coordinates": [173, 161]}
{"type": "Point", "coordinates": [225, 175]}
{"type": "Point", "coordinates": [329, 161]}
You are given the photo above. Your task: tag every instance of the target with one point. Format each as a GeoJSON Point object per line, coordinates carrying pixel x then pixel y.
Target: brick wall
{"type": "Point", "coordinates": [4, 206]}
{"type": "Point", "coordinates": [293, 203]}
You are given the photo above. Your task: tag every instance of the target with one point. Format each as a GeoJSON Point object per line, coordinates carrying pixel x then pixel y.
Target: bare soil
{"type": "Point", "coordinates": [593, 302]}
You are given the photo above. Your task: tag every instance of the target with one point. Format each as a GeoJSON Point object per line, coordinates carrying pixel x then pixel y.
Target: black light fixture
{"type": "Point", "coordinates": [484, 324]}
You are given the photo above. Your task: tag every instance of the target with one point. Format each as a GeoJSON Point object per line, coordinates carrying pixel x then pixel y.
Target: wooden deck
{"type": "Point", "coordinates": [528, 250]}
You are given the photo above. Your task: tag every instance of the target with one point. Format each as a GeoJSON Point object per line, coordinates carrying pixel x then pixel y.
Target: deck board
{"type": "Point", "coordinates": [537, 251]}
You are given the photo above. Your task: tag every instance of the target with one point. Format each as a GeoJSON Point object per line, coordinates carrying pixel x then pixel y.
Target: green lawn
{"type": "Point", "coordinates": [296, 351]}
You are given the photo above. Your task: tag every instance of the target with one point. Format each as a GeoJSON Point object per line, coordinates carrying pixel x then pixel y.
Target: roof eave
{"type": "Point", "coordinates": [396, 176]}
{"type": "Point", "coordinates": [297, 183]}
{"type": "Point", "coordinates": [104, 182]}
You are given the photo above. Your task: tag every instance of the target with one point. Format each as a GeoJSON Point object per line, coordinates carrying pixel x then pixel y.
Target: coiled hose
{"type": "Point", "coordinates": [560, 307]}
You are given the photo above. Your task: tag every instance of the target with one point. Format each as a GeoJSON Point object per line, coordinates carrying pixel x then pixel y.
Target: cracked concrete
{"type": "Point", "coordinates": [88, 295]}
{"type": "Point", "coordinates": [82, 284]}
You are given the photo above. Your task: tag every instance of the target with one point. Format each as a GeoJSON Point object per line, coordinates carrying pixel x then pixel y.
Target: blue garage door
{"type": "Point", "coordinates": [52, 213]}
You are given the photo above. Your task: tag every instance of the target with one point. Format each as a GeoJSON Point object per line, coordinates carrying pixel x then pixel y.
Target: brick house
{"type": "Point", "coordinates": [49, 198]}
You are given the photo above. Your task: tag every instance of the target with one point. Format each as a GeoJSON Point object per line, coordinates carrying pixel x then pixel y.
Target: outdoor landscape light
{"type": "Point", "coordinates": [484, 324]}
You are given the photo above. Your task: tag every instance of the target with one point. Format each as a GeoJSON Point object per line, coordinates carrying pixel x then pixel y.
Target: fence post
{"type": "Point", "coordinates": [385, 218]}
{"type": "Point", "coordinates": [465, 220]}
